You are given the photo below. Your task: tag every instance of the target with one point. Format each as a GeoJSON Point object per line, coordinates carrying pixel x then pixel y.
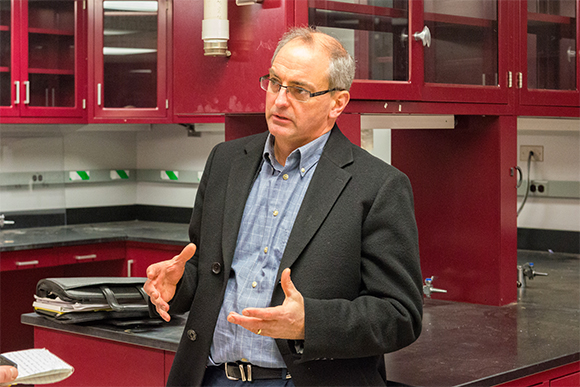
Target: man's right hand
{"type": "Point", "coordinates": [162, 279]}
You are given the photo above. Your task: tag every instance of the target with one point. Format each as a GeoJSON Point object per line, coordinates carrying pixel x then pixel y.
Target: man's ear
{"type": "Point", "coordinates": [341, 99]}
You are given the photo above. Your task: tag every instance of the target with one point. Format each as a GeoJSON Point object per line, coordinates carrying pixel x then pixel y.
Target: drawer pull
{"type": "Point", "coordinates": [83, 257]}
{"type": "Point", "coordinates": [27, 263]}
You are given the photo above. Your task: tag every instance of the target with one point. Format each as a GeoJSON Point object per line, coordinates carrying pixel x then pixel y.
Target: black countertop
{"type": "Point", "coordinates": [461, 344]}
{"type": "Point", "coordinates": [137, 231]}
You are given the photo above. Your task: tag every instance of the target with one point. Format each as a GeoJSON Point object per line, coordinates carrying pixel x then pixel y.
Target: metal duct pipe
{"type": "Point", "coordinates": [215, 28]}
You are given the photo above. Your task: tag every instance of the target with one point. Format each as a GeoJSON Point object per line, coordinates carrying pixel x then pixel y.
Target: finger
{"type": "Point", "coordinates": [252, 324]}
{"type": "Point", "coordinates": [186, 254]}
{"type": "Point", "coordinates": [287, 284]}
{"type": "Point", "coordinates": [153, 271]}
{"type": "Point", "coordinates": [8, 373]}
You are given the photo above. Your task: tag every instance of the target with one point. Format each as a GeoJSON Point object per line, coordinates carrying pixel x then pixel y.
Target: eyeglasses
{"type": "Point", "coordinates": [295, 92]}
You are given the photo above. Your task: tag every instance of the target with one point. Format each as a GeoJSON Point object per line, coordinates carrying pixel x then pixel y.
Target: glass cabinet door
{"type": "Point", "coordinates": [7, 86]}
{"type": "Point", "coordinates": [50, 74]}
{"type": "Point", "coordinates": [131, 48]}
{"type": "Point", "coordinates": [465, 60]}
{"type": "Point", "coordinates": [550, 43]}
{"type": "Point", "coordinates": [376, 33]}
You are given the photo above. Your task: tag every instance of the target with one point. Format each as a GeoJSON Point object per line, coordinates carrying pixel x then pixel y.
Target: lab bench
{"type": "Point", "coordinates": [461, 344]}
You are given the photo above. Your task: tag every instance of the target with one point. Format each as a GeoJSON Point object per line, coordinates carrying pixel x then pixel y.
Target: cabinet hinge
{"type": "Point", "coordinates": [509, 83]}
{"type": "Point", "coordinates": [520, 80]}
{"type": "Point", "coordinates": [166, 104]}
{"type": "Point", "coordinates": [84, 104]}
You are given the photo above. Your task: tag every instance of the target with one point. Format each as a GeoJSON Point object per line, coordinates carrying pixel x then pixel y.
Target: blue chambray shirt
{"type": "Point", "coordinates": [268, 218]}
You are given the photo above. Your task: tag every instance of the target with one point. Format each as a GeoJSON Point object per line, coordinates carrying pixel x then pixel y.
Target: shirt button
{"type": "Point", "coordinates": [285, 177]}
{"type": "Point", "coordinates": [265, 249]}
{"type": "Point", "coordinates": [254, 284]}
{"type": "Point", "coordinates": [192, 335]}
{"type": "Point", "coordinates": [303, 170]}
{"type": "Point", "coordinates": [216, 268]}
{"type": "Point", "coordinates": [275, 213]}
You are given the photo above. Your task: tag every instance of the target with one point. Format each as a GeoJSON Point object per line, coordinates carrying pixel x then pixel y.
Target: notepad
{"type": "Point", "coordinates": [38, 366]}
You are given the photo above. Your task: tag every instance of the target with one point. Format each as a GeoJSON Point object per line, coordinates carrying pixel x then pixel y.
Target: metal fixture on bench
{"type": "Point", "coordinates": [428, 287]}
{"type": "Point", "coordinates": [3, 221]}
{"type": "Point", "coordinates": [527, 271]}
{"type": "Point", "coordinates": [215, 28]}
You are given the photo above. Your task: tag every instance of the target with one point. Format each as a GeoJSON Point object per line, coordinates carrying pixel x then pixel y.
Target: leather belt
{"type": "Point", "coordinates": [247, 372]}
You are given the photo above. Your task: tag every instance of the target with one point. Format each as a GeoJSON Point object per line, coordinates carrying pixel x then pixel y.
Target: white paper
{"type": "Point", "coordinates": [38, 366]}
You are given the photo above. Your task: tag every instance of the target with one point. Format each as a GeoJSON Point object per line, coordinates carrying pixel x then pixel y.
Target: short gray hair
{"type": "Point", "coordinates": [341, 66]}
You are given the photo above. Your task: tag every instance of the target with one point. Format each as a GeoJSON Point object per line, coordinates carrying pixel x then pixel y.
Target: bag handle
{"type": "Point", "coordinates": [114, 304]}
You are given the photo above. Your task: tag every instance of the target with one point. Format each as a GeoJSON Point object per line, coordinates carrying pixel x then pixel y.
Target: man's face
{"type": "Point", "coordinates": [292, 122]}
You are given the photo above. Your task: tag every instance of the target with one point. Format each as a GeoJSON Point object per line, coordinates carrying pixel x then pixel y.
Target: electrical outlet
{"type": "Point", "coordinates": [539, 187]}
{"type": "Point", "coordinates": [537, 149]}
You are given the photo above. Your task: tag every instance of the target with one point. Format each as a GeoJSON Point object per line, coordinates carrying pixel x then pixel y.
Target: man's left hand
{"type": "Point", "coordinates": [280, 322]}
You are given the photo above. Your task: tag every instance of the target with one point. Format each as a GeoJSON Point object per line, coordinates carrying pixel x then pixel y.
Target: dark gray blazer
{"type": "Point", "coordinates": [353, 252]}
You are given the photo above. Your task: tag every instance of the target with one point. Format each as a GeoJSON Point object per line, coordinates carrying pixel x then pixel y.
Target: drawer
{"type": "Point", "coordinates": [28, 259]}
{"type": "Point", "coordinates": [90, 253]}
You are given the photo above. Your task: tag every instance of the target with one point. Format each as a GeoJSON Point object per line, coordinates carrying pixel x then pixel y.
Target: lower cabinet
{"type": "Point", "coordinates": [98, 362]}
{"type": "Point", "coordinates": [21, 270]}
{"type": "Point", "coordinates": [564, 376]}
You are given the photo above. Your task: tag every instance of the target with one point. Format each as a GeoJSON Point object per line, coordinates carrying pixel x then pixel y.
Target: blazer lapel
{"type": "Point", "coordinates": [240, 181]}
{"type": "Point", "coordinates": [325, 187]}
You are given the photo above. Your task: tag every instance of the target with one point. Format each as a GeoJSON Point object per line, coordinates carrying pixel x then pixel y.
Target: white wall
{"type": "Point", "coordinates": [561, 162]}
{"type": "Point", "coordinates": [36, 149]}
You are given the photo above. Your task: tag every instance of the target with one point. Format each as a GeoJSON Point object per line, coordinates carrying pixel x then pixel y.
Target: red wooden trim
{"type": "Point", "coordinates": [544, 376]}
{"type": "Point", "coordinates": [4, 28]}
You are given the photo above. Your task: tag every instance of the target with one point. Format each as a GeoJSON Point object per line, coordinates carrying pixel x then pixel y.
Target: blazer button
{"type": "Point", "coordinates": [216, 267]}
{"type": "Point", "coordinates": [191, 334]}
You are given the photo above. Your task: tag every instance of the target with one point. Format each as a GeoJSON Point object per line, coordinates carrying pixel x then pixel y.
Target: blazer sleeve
{"type": "Point", "coordinates": [387, 313]}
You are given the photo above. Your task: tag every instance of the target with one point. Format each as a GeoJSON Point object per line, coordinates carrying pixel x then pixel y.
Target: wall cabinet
{"type": "Point", "coordinates": [548, 46]}
{"type": "Point", "coordinates": [42, 59]}
{"type": "Point", "coordinates": [129, 61]}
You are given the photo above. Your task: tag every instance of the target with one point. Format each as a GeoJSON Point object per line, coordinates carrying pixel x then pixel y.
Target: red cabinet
{"type": "Point", "coordinates": [547, 69]}
{"type": "Point", "coordinates": [21, 270]}
{"type": "Point", "coordinates": [42, 60]}
{"type": "Point", "coordinates": [141, 255]}
{"type": "Point", "coordinates": [564, 376]}
{"type": "Point", "coordinates": [129, 61]}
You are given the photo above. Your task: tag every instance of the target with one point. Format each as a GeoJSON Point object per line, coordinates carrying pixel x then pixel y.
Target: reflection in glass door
{"type": "Point", "coordinates": [551, 44]}
{"type": "Point", "coordinates": [130, 54]}
{"type": "Point", "coordinates": [374, 31]}
{"type": "Point", "coordinates": [464, 42]}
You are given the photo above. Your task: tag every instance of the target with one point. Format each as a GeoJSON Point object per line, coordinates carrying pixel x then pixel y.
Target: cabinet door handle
{"type": "Point", "coordinates": [83, 257]}
{"type": "Point", "coordinates": [27, 263]}
{"type": "Point", "coordinates": [129, 267]}
{"type": "Point", "coordinates": [98, 94]}
{"type": "Point", "coordinates": [424, 36]}
{"type": "Point", "coordinates": [17, 99]}
{"type": "Point", "coordinates": [27, 93]}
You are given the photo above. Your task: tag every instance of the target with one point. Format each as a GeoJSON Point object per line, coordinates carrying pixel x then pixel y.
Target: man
{"type": "Point", "coordinates": [304, 267]}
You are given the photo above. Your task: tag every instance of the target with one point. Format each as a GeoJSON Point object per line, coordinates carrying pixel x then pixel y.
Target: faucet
{"type": "Point", "coordinates": [527, 271]}
{"type": "Point", "coordinates": [3, 221]}
{"type": "Point", "coordinates": [428, 287]}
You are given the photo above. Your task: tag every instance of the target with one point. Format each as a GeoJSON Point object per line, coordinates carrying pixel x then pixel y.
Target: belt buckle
{"type": "Point", "coordinates": [242, 373]}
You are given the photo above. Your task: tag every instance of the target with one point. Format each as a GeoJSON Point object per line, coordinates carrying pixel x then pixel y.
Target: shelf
{"type": "Point", "coordinates": [50, 31]}
{"type": "Point", "coordinates": [552, 19]}
{"type": "Point", "coordinates": [4, 69]}
{"type": "Point", "coordinates": [460, 20]}
{"type": "Point", "coordinates": [4, 28]}
{"type": "Point", "coordinates": [357, 9]}
{"type": "Point", "coordinates": [51, 71]}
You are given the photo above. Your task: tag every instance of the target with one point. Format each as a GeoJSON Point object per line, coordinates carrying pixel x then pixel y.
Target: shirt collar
{"type": "Point", "coordinates": [306, 156]}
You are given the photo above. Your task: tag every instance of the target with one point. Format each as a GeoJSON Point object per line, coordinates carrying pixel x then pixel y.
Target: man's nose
{"type": "Point", "coordinates": [282, 97]}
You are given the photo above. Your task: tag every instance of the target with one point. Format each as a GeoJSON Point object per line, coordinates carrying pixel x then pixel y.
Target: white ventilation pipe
{"type": "Point", "coordinates": [215, 28]}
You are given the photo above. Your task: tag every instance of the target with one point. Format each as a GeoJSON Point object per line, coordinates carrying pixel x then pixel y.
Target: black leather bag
{"type": "Point", "coordinates": [121, 297]}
